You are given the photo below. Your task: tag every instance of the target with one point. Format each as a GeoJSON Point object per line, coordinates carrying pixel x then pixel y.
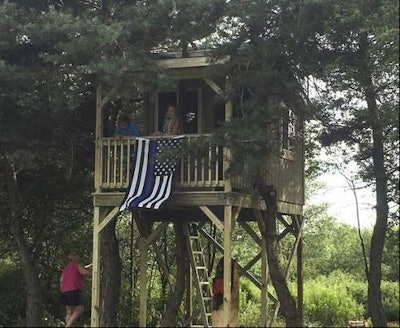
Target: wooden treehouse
{"type": "Point", "coordinates": [204, 196]}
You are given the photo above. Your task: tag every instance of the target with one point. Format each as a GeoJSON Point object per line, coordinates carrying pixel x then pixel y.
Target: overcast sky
{"type": "Point", "coordinates": [340, 198]}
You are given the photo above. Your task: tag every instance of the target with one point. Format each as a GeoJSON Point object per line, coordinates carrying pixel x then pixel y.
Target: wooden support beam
{"type": "Point", "coordinates": [251, 232]}
{"type": "Point", "coordinates": [227, 151]}
{"type": "Point", "coordinates": [242, 270]}
{"type": "Point", "coordinates": [213, 86]}
{"type": "Point", "coordinates": [94, 320]}
{"type": "Point", "coordinates": [252, 262]}
{"type": "Point", "coordinates": [287, 230]}
{"type": "Point", "coordinates": [299, 256]}
{"type": "Point", "coordinates": [154, 234]}
{"type": "Point", "coordinates": [98, 167]}
{"type": "Point", "coordinates": [189, 298]}
{"type": "Point", "coordinates": [264, 283]}
{"type": "Point", "coordinates": [283, 221]}
{"type": "Point", "coordinates": [162, 264]}
{"type": "Point", "coordinates": [236, 213]}
{"type": "Point", "coordinates": [213, 218]}
{"type": "Point", "coordinates": [292, 254]}
{"type": "Point", "coordinates": [184, 62]}
{"type": "Point", "coordinates": [108, 96]}
{"type": "Point", "coordinates": [110, 216]}
{"type": "Point", "coordinates": [212, 240]}
{"type": "Point", "coordinates": [143, 292]}
{"type": "Point", "coordinates": [227, 303]}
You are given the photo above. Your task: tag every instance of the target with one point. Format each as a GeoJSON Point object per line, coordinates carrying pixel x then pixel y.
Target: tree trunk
{"type": "Point", "coordinates": [111, 277]}
{"type": "Point", "coordinates": [288, 304]}
{"type": "Point", "coordinates": [375, 305]}
{"type": "Point", "coordinates": [182, 266]}
{"type": "Point", "coordinates": [33, 294]}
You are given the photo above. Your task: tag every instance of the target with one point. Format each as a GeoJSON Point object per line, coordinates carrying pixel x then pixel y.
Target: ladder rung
{"type": "Point", "coordinates": [206, 298]}
{"type": "Point", "coordinates": [197, 252]}
{"type": "Point", "coordinates": [204, 283]}
{"type": "Point", "coordinates": [201, 267]}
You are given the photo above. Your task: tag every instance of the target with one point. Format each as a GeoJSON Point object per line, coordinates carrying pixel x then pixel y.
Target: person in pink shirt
{"type": "Point", "coordinates": [71, 284]}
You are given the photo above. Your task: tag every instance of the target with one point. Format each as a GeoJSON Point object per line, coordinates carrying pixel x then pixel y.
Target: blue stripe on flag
{"type": "Point", "coordinates": [151, 183]}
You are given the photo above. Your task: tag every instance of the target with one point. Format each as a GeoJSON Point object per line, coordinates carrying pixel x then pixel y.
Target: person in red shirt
{"type": "Point", "coordinates": [71, 284]}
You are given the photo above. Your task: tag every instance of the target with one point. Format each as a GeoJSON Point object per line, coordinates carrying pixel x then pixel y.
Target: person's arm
{"type": "Point", "coordinates": [83, 271]}
{"type": "Point", "coordinates": [61, 279]}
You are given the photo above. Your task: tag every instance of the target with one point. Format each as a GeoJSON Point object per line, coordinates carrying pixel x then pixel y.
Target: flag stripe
{"type": "Point", "coordinates": [153, 194]}
{"type": "Point", "coordinates": [161, 192]}
{"type": "Point", "coordinates": [166, 194]}
{"type": "Point", "coordinates": [140, 165]}
{"type": "Point", "coordinates": [151, 183]}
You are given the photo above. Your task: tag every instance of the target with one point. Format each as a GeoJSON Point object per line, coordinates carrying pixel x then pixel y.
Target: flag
{"type": "Point", "coordinates": [151, 183]}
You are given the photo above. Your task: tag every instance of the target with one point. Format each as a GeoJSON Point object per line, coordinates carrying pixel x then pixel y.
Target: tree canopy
{"type": "Point", "coordinates": [53, 55]}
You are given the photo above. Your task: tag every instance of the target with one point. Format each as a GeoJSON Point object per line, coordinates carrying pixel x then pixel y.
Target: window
{"type": "Point", "coordinates": [288, 131]}
{"type": "Point", "coordinates": [188, 102]}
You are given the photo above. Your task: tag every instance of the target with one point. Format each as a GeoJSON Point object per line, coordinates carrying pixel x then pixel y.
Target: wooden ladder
{"type": "Point", "coordinates": [200, 274]}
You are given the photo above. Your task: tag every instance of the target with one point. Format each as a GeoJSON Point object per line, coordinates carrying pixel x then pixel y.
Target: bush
{"type": "Point", "coordinates": [328, 302]}
{"type": "Point", "coordinates": [390, 299]}
{"type": "Point", "coordinates": [12, 305]}
{"type": "Point", "coordinates": [249, 305]}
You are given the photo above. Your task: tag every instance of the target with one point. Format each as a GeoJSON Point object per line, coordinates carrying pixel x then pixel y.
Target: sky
{"type": "Point", "coordinates": [337, 193]}
{"type": "Point", "coordinates": [341, 201]}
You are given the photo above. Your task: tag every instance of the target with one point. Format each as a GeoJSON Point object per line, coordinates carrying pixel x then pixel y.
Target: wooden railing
{"type": "Point", "coordinates": [200, 166]}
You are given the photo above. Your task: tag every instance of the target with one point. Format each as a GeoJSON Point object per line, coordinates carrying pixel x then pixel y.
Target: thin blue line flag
{"type": "Point", "coordinates": [155, 163]}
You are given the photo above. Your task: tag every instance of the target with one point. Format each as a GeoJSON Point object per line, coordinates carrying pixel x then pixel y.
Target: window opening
{"type": "Point", "coordinates": [288, 130]}
{"type": "Point", "coordinates": [188, 102]}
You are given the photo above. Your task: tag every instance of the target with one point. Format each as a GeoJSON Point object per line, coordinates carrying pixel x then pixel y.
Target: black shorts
{"type": "Point", "coordinates": [73, 298]}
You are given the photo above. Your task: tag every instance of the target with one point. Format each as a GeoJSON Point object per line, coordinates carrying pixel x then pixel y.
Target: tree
{"type": "Point", "coordinates": [360, 49]}
{"type": "Point", "coordinates": [32, 97]}
{"type": "Point", "coordinates": [76, 46]}
{"type": "Point", "coordinates": [268, 43]}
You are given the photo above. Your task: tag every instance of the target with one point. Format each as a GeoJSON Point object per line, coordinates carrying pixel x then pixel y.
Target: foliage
{"type": "Point", "coordinates": [52, 55]}
{"type": "Point", "coordinates": [390, 267]}
{"type": "Point", "coordinates": [361, 43]}
{"type": "Point", "coordinates": [361, 46]}
{"type": "Point", "coordinates": [12, 309]}
{"type": "Point", "coordinates": [390, 292]}
{"type": "Point", "coordinates": [327, 301]}
{"type": "Point", "coordinates": [330, 246]}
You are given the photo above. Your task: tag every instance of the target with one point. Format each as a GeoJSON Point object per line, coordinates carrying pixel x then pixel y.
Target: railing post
{"type": "Point", "coordinates": [227, 151]}
{"type": "Point", "coordinates": [98, 146]}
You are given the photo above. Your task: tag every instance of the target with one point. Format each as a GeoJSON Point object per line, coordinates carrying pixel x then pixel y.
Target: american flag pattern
{"type": "Point", "coordinates": [155, 163]}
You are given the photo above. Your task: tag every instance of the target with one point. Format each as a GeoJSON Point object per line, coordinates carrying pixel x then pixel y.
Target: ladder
{"type": "Point", "coordinates": [200, 274]}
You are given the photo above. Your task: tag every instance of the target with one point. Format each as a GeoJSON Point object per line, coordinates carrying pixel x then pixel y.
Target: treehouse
{"type": "Point", "coordinates": [205, 196]}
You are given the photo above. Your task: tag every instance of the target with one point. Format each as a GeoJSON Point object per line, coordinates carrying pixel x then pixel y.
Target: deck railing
{"type": "Point", "coordinates": [200, 166]}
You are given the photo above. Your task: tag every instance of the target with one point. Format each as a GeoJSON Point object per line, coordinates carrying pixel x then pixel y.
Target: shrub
{"type": "Point", "coordinates": [390, 299]}
{"type": "Point", "coordinates": [329, 303]}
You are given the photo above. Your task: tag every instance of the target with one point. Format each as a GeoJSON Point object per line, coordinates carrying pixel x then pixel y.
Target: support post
{"type": "Point", "coordinates": [227, 151]}
{"type": "Point", "coordinates": [189, 301]}
{"type": "Point", "coordinates": [300, 292]}
{"type": "Point", "coordinates": [143, 282]}
{"type": "Point", "coordinates": [96, 269]}
{"type": "Point", "coordinates": [227, 266]}
{"type": "Point", "coordinates": [99, 130]}
{"type": "Point", "coordinates": [264, 283]}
